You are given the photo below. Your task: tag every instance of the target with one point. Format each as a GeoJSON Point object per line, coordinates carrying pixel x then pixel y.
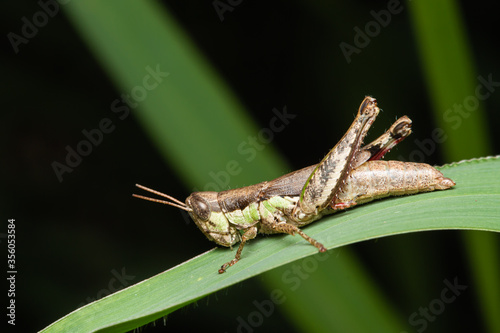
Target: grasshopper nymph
{"type": "Point", "coordinates": [349, 174]}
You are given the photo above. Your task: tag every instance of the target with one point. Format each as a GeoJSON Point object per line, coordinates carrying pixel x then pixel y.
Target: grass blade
{"type": "Point", "coordinates": [472, 205]}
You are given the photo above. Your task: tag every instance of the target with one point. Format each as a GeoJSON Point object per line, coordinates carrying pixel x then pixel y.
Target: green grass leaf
{"type": "Point", "coordinates": [447, 61]}
{"type": "Point", "coordinates": [473, 204]}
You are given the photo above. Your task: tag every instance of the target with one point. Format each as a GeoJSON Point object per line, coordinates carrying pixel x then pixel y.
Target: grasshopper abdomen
{"type": "Point", "coordinates": [379, 179]}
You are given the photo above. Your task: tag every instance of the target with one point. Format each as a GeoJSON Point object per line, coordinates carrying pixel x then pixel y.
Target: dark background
{"type": "Point", "coordinates": [72, 236]}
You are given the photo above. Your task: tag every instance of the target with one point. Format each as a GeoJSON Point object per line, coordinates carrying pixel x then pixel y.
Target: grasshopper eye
{"type": "Point", "coordinates": [200, 207]}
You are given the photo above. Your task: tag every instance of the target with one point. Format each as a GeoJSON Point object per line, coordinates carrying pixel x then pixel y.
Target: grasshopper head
{"type": "Point", "coordinates": [208, 216]}
{"type": "Point", "coordinates": [205, 211]}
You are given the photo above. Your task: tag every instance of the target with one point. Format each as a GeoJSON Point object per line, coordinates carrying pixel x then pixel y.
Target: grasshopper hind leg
{"type": "Point", "coordinates": [326, 179]}
{"type": "Point", "coordinates": [376, 150]}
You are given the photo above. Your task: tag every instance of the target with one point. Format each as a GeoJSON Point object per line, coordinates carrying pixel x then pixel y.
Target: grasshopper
{"type": "Point", "coordinates": [348, 175]}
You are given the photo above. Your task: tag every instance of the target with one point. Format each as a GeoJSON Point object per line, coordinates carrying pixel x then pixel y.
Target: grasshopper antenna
{"type": "Point", "coordinates": [174, 202]}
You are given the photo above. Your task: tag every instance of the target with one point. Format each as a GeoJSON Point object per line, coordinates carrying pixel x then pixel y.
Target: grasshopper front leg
{"type": "Point", "coordinates": [329, 174]}
{"type": "Point", "coordinates": [250, 233]}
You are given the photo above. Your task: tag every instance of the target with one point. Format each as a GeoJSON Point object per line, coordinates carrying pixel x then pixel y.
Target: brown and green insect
{"type": "Point", "coordinates": [348, 175]}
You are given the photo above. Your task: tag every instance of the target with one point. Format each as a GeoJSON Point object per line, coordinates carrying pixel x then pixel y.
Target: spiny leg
{"type": "Point", "coordinates": [327, 177]}
{"type": "Point", "coordinates": [292, 230]}
{"type": "Point", "coordinates": [375, 150]}
{"type": "Point", "coordinates": [250, 233]}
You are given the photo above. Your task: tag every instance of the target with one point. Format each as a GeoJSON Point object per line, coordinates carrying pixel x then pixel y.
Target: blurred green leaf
{"type": "Point", "coordinates": [448, 67]}
{"type": "Point", "coordinates": [457, 95]}
{"type": "Point", "coordinates": [184, 111]}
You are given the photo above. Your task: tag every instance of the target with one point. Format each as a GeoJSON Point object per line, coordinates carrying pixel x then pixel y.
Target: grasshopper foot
{"type": "Point", "coordinates": [226, 265]}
